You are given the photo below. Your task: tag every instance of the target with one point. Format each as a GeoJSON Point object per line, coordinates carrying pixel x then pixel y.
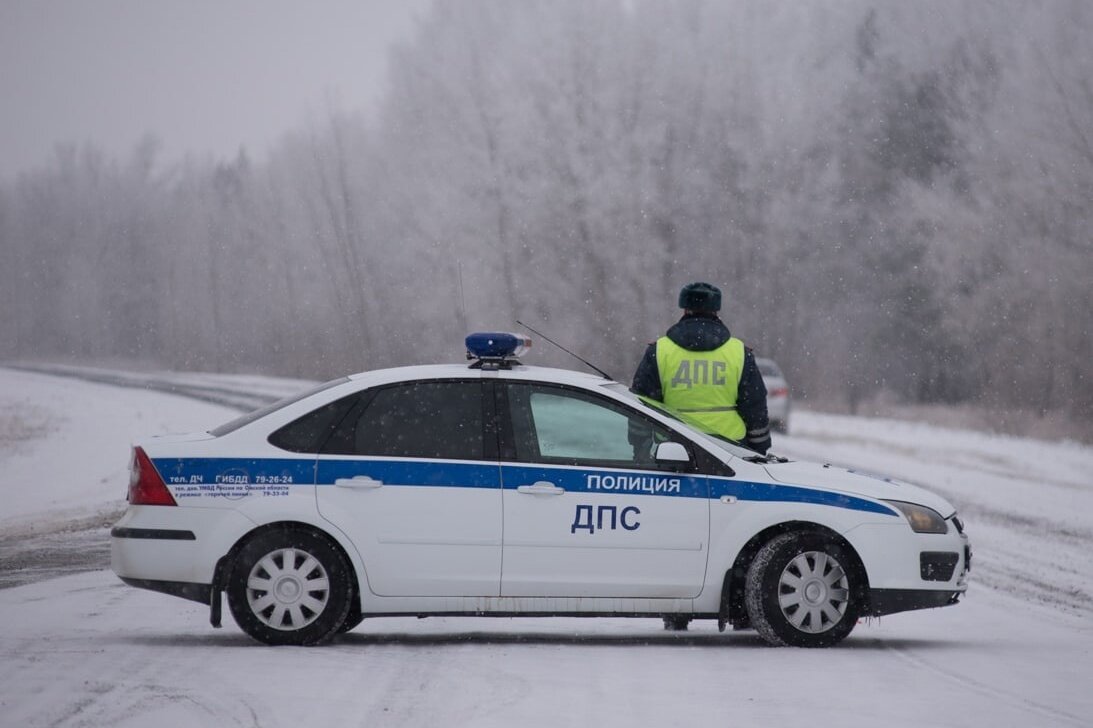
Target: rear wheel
{"type": "Point", "coordinates": [800, 591]}
{"type": "Point", "coordinates": [290, 586]}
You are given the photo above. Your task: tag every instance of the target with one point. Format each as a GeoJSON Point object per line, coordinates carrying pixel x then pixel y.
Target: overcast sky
{"type": "Point", "coordinates": [203, 75]}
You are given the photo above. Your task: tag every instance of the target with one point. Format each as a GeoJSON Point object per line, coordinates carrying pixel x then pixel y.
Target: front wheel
{"type": "Point", "coordinates": [353, 618]}
{"type": "Point", "coordinates": [290, 586]}
{"type": "Point", "coordinates": [801, 591]}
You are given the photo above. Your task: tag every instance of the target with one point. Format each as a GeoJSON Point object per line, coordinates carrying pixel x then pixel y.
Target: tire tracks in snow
{"type": "Point", "coordinates": [237, 397]}
{"type": "Point", "coordinates": [1039, 709]}
{"type": "Point", "coordinates": [56, 550]}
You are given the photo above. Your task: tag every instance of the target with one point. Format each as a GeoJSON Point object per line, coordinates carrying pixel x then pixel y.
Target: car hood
{"type": "Point", "coordinates": [857, 482]}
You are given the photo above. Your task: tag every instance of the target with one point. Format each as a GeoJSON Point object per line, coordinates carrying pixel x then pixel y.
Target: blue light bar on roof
{"type": "Point", "coordinates": [496, 345]}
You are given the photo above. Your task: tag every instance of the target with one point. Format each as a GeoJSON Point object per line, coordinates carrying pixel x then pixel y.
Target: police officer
{"type": "Point", "coordinates": [698, 368]}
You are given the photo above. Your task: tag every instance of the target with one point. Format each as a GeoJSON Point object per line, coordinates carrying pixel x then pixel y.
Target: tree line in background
{"type": "Point", "coordinates": [894, 197]}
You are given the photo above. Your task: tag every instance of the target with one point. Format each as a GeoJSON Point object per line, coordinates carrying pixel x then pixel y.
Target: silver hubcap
{"type": "Point", "coordinates": [288, 589]}
{"type": "Point", "coordinates": [813, 592]}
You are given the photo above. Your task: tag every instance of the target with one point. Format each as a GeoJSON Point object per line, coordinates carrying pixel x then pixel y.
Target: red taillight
{"type": "Point", "coordinates": [146, 488]}
{"type": "Point", "coordinates": [778, 392]}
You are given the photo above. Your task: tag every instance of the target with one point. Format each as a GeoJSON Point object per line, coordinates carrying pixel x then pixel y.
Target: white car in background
{"type": "Point", "coordinates": [498, 489]}
{"type": "Point", "coordinates": [777, 394]}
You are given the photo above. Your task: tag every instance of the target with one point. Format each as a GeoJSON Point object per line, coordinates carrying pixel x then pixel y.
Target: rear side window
{"type": "Point", "coordinates": [419, 420]}
{"type": "Point", "coordinates": [258, 414]}
{"type": "Point", "coordinates": [308, 433]}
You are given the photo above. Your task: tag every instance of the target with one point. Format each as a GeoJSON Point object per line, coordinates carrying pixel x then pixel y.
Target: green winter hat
{"type": "Point", "coordinates": [700, 297]}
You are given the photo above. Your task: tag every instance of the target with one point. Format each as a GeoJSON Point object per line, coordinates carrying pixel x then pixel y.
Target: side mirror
{"type": "Point", "coordinates": [672, 452]}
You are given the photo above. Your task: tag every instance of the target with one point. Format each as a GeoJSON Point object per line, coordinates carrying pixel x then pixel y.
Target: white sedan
{"type": "Point", "coordinates": [498, 489]}
{"type": "Point", "coordinates": [777, 394]}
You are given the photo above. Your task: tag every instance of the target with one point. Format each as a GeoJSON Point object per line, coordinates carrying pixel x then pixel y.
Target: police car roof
{"type": "Point", "coordinates": [463, 371]}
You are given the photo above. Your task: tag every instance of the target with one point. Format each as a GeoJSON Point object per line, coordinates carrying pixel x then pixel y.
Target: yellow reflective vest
{"type": "Point", "coordinates": [704, 384]}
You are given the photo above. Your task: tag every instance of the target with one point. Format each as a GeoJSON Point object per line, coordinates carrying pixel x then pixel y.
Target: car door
{"type": "Point", "coordinates": [588, 510]}
{"type": "Point", "coordinates": [411, 477]}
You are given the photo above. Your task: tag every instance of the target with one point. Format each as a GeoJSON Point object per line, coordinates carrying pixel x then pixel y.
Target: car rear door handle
{"type": "Point", "coordinates": [541, 487]}
{"type": "Point", "coordinates": [360, 482]}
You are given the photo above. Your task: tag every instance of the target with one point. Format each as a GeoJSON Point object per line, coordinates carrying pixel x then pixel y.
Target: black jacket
{"type": "Point", "coordinates": [706, 332]}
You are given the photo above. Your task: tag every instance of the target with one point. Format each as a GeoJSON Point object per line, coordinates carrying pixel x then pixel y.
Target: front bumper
{"type": "Point", "coordinates": [891, 601]}
{"type": "Point", "coordinates": [908, 570]}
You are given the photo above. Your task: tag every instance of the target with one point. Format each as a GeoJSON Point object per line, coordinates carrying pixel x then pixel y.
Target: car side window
{"type": "Point", "coordinates": [417, 420]}
{"type": "Point", "coordinates": [564, 426]}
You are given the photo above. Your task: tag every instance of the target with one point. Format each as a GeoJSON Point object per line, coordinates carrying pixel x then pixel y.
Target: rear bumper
{"type": "Point", "coordinates": [201, 593]}
{"type": "Point", "coordinates": [153, 534]}
{"type": "Point", "coordinates": [173, 545]}
{"type": "Point", "coordinates": [778, 409]}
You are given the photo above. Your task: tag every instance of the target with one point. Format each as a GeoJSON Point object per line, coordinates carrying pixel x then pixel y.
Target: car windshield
{"type": "Point", "coordinates": [732, 447]}
{"type": "Point", "coordinates": [273, 407]}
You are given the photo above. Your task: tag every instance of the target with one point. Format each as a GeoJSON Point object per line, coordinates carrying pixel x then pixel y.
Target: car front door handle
{"type": "Point", "coordinates": [360, 482]}
{"type": "Point", "coordinates": [541, 487]}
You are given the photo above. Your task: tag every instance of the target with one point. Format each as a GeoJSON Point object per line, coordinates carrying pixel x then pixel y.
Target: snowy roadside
{"type": "Point", "coordinates": [64, 446]}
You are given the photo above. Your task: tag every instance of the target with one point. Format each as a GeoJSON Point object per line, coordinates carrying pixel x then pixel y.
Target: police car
{"type": "Point", "coordinates": [503, 489]}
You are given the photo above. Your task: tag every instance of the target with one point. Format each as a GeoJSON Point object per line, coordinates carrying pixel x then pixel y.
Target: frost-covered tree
{"type": "Point", "coordinates": [895, 198]}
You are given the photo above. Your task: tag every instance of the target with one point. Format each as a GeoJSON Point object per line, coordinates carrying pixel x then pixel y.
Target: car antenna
{"type": "Point", "coordinates": [463, 300]}
{"type": "Point", "coordinates": [587, 363]}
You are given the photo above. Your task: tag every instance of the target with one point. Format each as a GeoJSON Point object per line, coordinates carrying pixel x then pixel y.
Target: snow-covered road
{"type": "Point", "coordinates": [1028, 504]}
{"type": "Point", "coordinates": [85, 650]}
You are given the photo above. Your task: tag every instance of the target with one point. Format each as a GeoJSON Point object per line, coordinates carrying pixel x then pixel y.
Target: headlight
{"type": "Point", "coordinates": [921, 518]}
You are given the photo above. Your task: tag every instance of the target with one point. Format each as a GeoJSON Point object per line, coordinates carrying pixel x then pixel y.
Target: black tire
{"type": "Point", "coordinates": [802, 591]}
{"type": "Point", "coordinates": [290, 586]}
{"type": "Point", "coordinates": [354, 617]}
